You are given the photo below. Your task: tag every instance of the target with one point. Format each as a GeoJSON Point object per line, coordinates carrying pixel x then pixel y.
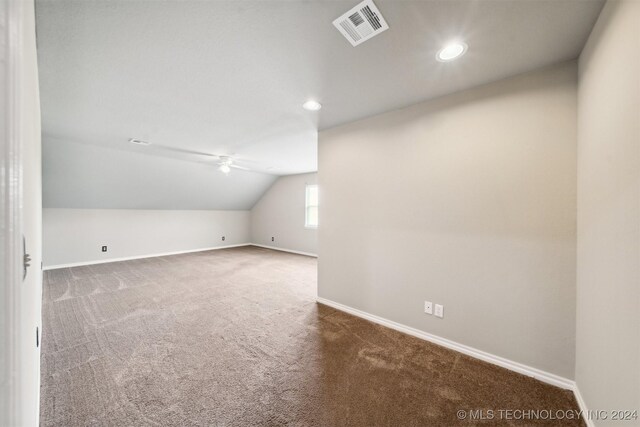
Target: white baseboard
{"type": "Point", "coordinates": [583, 406]}
{"type": "Point", "coordinates": [285, 250]}
{"type": "Point", "coordinates": [104, 261]}
{"type": "Point", "coordinates": [538, 374]}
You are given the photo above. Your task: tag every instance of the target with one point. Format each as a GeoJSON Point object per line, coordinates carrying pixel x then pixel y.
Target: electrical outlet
{"type": "Point", "coordinates": [273, 239]}
{"type": "Point", "coordinates": [104, 249]}
{"type": "Point", "coordinates": [223, 238]}
{"type": "Point", "coordinates": [428, 307]}
{"type": "Point", "coordinates": [439, 310]}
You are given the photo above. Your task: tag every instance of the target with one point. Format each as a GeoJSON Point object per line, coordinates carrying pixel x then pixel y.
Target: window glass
{"type": "Point", "coordinates": [311, 214]}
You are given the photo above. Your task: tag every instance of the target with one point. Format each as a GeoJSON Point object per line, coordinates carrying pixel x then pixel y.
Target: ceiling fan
{"type": "Point", "coordinates": [225, 163]}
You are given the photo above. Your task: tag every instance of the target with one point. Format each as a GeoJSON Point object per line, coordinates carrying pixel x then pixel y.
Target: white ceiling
{"type": "Point", "coordinates": [229, 77]}
{"type": "Point", "coordinates": [89, 176]}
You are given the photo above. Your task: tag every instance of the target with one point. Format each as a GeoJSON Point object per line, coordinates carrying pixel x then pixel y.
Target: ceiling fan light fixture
{"type": "Point", "coordinates": [225, 169]}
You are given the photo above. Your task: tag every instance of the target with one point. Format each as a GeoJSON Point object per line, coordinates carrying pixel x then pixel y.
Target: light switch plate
{"type": "Point", "coordinates": [439, 310]}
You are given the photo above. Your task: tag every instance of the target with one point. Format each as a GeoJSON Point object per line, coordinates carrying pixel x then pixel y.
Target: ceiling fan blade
{"type": "Point", "coordinates": [239, 167]}
{"type": "Point", "coordinates": [185, 151]}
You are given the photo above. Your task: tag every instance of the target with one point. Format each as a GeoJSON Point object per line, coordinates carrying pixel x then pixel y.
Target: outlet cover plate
{"type": "Point", "coordinates": [428, 307]}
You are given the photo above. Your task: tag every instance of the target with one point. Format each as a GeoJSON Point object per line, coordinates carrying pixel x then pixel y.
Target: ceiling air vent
{"type": "Point", "coordinates": [361, 23]}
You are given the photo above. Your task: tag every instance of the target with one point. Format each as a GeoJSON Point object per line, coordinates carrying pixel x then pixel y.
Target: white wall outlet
{"type": "Point", "coordinates": [439, 310]}
{"type": "Point", "coordinates": [428, 307]}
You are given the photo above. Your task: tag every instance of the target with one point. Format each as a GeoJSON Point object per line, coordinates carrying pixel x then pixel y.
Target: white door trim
{"type": "Point", "coordinates": [10, 210]}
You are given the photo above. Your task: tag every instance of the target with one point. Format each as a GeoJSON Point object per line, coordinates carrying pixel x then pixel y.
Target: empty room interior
{"type": "Point", "coordinates": [320, 213]}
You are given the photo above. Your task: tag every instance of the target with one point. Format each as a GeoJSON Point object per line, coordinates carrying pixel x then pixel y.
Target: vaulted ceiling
{"type": "Point", "coordinates": [229, 77]}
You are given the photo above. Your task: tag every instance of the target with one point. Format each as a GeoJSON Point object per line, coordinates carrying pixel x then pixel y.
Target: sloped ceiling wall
{"type": "Point", "coordinates": [94, 177]}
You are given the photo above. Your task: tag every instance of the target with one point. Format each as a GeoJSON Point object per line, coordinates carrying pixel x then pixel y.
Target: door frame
{"type": "Point", "coordinates": [11, 251]}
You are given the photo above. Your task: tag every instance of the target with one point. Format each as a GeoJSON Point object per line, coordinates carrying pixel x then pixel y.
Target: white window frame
{"type": "Point", "coordinates": [307, 206]}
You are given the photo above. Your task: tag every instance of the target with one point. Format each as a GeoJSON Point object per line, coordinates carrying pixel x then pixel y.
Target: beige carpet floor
{"type": "Point", "coordinates": [235, 338]}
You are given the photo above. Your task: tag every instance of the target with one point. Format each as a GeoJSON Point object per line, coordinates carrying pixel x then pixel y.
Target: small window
{"type": "Point", "coordinates": [311, 206]}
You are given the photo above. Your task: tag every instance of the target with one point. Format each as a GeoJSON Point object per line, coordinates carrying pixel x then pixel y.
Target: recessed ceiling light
{"type": "Point", "coordinates": [138, 142]}
{"type": "Point", "coordinates": [312, 105]}
{"type": "Point", "coordinates": [451, 51]}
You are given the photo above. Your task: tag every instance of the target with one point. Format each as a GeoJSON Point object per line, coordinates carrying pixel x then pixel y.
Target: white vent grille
{"type": "Point", "coordinates": [361, 23]}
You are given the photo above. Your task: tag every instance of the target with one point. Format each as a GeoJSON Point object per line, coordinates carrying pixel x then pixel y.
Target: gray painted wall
{"type": "Point", "coordinates": [76, 235]}
{"type": "Point", "coordinates": [92, 177]}
{"type": "Point", "coordinates": [468, 201]}
{"type": "Point", "coordinates": [280, 213]}
{"type": "Point", "coordinates": [608, 278]}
